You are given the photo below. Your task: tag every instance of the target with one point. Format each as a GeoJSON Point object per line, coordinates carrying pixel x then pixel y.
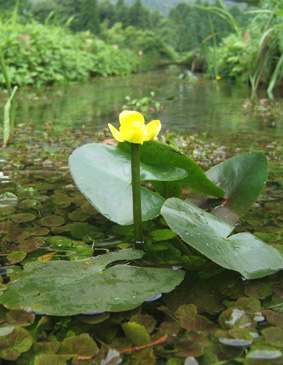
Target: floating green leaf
{"type": "Point", "coordinates": [268, 354]}
{"type": "Point", "coordinates": [258, 290]}
{"type": "Point", "coordinates": [274, 336]}
{"type": "Point", "coordinates": [88, 286]}
{"type": "Point", "coordinates": [103, 174]}
{"type": "Point", "coordinates": [191, 321]}
{"type": "Point", "coordinates": [6, 210]}
{"type": "Point", "coordinates": [235, 342]}
{"type": "Point", "coordinates": [6, 227]}
{"type": "Point", "coordinates": [8, 199]}
{"type": "Point", "coordinates": [242, 252]}
{"type": "Point", "coordinates": [160, 154]}
{"type": "Point", "coordinates": [80, 230]}
{"type": "Point", "coordinates": [136, 333]}
{"type": "Point", "coordinates": [14, 342]}
{"type": "Point", "coordinates": [52, 221]}
{"type": "Point", "coordinates": [19, 318]}
{"type": "Point", "coordinates": [82, 345]}
{"type": "Point", "coordinates": [23, 217]}
{"type": "Point", "coordinates": [49, 359]}
{"type": "Point", "coordinates": [59, 242]}
{"type": "Point", "coordinates": [16, 256]}
{"type": "Point", "coordinates": [242, 178]}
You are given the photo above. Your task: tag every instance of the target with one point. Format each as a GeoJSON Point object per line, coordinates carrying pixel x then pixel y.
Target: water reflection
{"type": "Point", "coordinates": [215, 107]}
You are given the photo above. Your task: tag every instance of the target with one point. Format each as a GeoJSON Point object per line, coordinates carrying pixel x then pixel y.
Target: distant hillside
{"type": "Point", "coordinates": [163, 6]}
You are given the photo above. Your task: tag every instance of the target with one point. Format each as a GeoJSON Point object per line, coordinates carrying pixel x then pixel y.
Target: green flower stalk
{"type": "Point", "coordinates": [134, 130]}
{"type": "Point", "coordinates": [136, 193]}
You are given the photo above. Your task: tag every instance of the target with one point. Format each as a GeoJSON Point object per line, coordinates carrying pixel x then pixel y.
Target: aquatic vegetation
{"type": "Point", "coordinates": [9, 109]}
{"type": "Point", "coordinates": [212, 314]}
{"type": "Point", "coordinates": [110, 177]}
{"type": "Point", "coordinates": [146, 105]}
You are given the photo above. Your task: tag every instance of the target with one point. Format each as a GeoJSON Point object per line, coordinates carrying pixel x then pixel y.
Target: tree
{"type": "Point", "coordinates": [139, 15]}
{"type": "Point", "coordinates": [70, 9]}
{"type": "Point", "coordinates": [122, 13]}
{"type": "Point", "coordinates": [42, 8]}
{"type": "Point", "coordinates": [10, 4]}
{"type": "Point", "coordinates": [156, 18]}
{"type": "Point", "coordinates": [88, 16]}
{"type": "Point", "coordinates": [107, 11]}
{"type": "Point", "coordinates": [84, 14]}
{"type": "Point", "coordinates": [167, 30]}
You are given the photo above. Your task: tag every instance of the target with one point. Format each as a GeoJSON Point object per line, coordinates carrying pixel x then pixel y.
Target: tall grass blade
{"type": "Point", "coordinates": [215, 63]}
{"type": "Point", "coordinates": [5, 73]}
{"type": "Point", "coordinates": [49, 17]}
{"type": "Point", "coordinates": [15, 14]}
{"type": "Point", "coordinates": [274, 77]}
{"type": "Point", "coordinates": [223, 13]}
{"type": "Point", "coordinates": [7, 119]}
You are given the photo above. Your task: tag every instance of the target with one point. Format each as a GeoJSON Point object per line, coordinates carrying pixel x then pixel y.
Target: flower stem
{"type": "Point", "coordinates": [136, 191]}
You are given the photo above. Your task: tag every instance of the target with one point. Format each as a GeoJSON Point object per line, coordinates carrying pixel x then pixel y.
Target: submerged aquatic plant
{"type": "Point", "coordinates": [145, 105]}
{"type": "Point", "coordinates": [105, 175]}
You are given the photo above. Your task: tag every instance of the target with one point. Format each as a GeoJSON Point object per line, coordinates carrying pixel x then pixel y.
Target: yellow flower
{"type": "Point", "coordinates": [133, 129]}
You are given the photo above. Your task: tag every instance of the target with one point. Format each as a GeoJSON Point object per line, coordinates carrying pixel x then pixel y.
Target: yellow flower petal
{"type": "Point", "coordinates": [132, 134]}
{"type": "Point", "coordinates": [131, 117]}
{"type": "Point", "coordinates": [116, 134]}
{"type": "Point", "coordinates": [152, 129]}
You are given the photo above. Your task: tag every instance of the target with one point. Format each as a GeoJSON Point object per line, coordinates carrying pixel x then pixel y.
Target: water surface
{"type": "Point", "coordinates": [217, 107]}
{"type": "Point", "coordinates": [48, 208]}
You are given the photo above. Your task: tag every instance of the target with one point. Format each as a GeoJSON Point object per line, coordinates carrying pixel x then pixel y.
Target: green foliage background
{"type": "Point", "coordinates": [36, 55]}
{"type": "Point", "coordinates": [73, 40]}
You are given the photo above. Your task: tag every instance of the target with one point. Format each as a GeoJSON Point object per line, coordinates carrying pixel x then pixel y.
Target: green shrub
{"type": "Point", "coordinates": [234, 56]}
{"type": "Point", "coordinates": [147, 48]}
{"type": "Point", "coordinates": [255, 55]}
{"type": "Point", "coordinates": [37, 54]}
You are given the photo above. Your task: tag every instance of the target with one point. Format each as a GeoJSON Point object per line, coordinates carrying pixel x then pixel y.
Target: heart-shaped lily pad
{"type": "Point", "coordinates": [242, 252]}
{"type": "Point", "coordinates": [66, 288]}
{"type": "Point", "coordinates": [153, 152]}
{"type": "Point", "coordinates": [13, 342]}
{"type": "Point", "coordinates": [103, 175]}
{"type": "Point", "coordinates": [242, 178]}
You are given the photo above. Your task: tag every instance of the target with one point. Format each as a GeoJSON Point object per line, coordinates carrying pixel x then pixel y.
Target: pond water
{"type": "Point", "coordinates": [204, 104]}
{"type": "Point", "coordinates": [219, 108]}
{"type": "Point", "coordinates": [46, 205]}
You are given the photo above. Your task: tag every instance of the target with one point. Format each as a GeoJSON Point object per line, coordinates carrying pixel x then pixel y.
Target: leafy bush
{"type": "Point", "coordinates": [147, 47]}
{"type": "Point", "coordinates": [112, 61]}
{"type": "Point", "coordinates": [234, 55]}
{"type": "Point", "coordinates": [36, 54]}
{"type": "Point", "coordinates": [255, 56]}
